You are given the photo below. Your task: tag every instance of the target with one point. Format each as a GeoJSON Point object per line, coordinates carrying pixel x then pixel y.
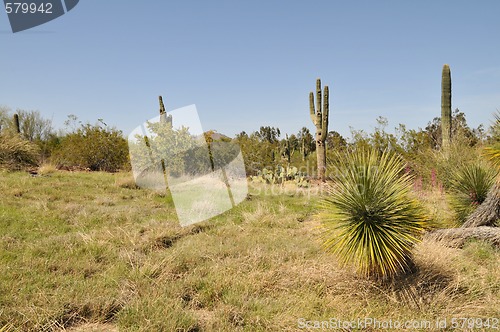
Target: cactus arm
{"type": "Point", "coordinates": [311, 108]}
{"type": "Point", "coordinates": [319, 111]}
{"type": "Point", "coordinates": [163, 113]}
{"type": "Point", "coordinates": [326, 108]}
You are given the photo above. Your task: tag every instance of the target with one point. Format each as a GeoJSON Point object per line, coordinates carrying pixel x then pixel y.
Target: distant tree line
{"type": "Point", "coordinates": [104, 148]}
{"type": "Point", "coordinates": [96, 147]}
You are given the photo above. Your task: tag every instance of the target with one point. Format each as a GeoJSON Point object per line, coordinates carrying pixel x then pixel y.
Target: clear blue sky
{"type": "Point", "coordinates": [251, 63]}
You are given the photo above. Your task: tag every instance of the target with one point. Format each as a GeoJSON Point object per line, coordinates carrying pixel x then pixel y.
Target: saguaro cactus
{"type": "Point", "coordinates": [163, 114]}
{"type": "Point", "coordinates": [319, 117]}
{"type": "Point", "coordinates": [16, 123]}
{"type": "Point", "coordinates": [446, 108]}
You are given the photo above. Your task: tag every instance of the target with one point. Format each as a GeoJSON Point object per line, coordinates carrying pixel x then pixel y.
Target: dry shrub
{"type": "Point", "coordinates": [16, 153]}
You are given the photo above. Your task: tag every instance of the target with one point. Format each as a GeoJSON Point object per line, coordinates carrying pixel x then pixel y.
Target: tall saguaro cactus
{"type": "Point", "coordinates": [446, 108]}
{"type": "Point", "coordinates": [319, 117]}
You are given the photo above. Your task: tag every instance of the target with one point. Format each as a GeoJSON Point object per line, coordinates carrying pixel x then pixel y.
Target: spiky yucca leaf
{"type": "Point", "coordinates": [492, 153]}
{"type": "Point", "coordinates": [6, 328]}
{"type": "Point", "coordinates": [369, 216]}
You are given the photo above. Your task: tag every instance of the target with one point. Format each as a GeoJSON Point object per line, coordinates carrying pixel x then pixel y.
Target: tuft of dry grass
{"type": "Point", "coordinates": [47, 169]}
{"type": "Point", "coordinates": [125, 181]}
{"type": "Point", "coordinates": [92, 327]}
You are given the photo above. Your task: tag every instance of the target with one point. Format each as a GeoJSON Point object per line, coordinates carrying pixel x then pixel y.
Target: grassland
{"type": "Point", "coordinates": [91, 252]}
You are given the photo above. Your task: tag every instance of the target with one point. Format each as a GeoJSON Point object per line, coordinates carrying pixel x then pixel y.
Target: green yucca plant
{"type": "Point", "coordinates": [370, 218]}
{"type": "Point", "coordinates": [470, 185]}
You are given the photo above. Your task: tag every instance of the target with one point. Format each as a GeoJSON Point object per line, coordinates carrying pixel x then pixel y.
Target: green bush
{"type": "Point", "coordinates": [370, 219]}
{"type": "Point", "coordinates": [470, 185]}
{"type": "Point", "coordinates": [93, 147]}
{"type": "Point", "coordinates": [17, 153]}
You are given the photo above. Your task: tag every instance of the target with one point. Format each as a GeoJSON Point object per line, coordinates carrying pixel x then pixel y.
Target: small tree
{"type": "Point", "coordinates": [33, 126]}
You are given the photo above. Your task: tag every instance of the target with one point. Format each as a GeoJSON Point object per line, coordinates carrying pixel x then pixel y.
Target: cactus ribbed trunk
{"type": "Point", "coordinates": [446, 108]}
{"type": "Point", "coordinates": [303, 150]}
{"type": "Point", "coordinates": [164, 119]}
{"type": "Point", "coordinates": [319, 117]}
{"type": "Point", "coordinates": [17, 127]}
{"type": "Point", "coordinates": [288, 150]}
{"type": "Point", "coordinates": [163, 113]}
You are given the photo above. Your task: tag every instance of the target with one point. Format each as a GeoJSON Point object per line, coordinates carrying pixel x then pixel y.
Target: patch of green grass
{"type": "Point", "coordinates": [81, 249]}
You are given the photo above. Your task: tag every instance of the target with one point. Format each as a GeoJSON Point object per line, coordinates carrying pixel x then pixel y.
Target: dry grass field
{"type": "Point", "coordinates": [91, 252]}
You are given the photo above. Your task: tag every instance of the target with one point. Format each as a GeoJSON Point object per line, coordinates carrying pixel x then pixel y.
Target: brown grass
{"type": "Point", "coordinates": [47, 169]}
{"type": "Point", "coordinates": [79, 252]}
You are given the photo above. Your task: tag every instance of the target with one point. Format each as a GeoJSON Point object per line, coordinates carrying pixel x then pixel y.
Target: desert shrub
{"type": "Point", "coordinates": [257, 153]}
{"type": "Point", "coordinates": [370, 219]}
{"type": "Point", "coordinates": [436, 167]}
{"type": "Point", "coordinates": [94, 147]}
{"type": "Point", "coordinates": [165, 145]}
{"type": "Point", "coordinates": [470, 185]}
{"type": "Point", "coordinates": [17, 153]}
